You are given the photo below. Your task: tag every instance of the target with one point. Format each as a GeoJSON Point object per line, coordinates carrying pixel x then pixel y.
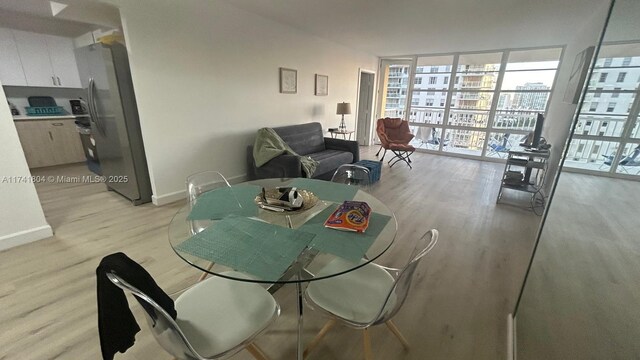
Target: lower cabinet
{"type": "Point", "coordinates": [50, 142]}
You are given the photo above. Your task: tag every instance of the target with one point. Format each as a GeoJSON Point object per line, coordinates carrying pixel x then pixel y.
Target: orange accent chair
{"type": "Point", "coordinates": [395, 135]}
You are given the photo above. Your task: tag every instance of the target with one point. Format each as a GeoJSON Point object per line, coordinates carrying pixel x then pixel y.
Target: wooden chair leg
{"type": "Point", "coordinates": [368, 355]}
{"type": "Point", "coordinates": [325, 329]}
{"type": "Point", "coordinates": [205, 273]}
{"type": "Point", "coordinates": [256, 352]}
{"type": "Point", "coordinates": [394, 329]}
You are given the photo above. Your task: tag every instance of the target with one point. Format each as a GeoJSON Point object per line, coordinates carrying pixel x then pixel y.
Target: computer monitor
{"type": "Point", "coordinates": [533, 139]}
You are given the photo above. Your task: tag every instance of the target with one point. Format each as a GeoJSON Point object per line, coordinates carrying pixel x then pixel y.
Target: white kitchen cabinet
{"type": "Point", "coordinates": [35, 59]}
{"type": "Point", "coordinates": [11, 72]}
{"type": "Point", "coordinates": [31, 59]}
{"type": "Point", "coordinates": [63, 61]}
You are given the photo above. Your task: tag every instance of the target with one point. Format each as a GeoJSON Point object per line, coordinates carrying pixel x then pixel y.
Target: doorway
{"type": "Point", "coordinates": [365, 106]}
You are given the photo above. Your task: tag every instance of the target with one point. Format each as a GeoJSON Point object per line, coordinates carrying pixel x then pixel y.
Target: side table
{"type": "Point", "coordinates": [344, 133]}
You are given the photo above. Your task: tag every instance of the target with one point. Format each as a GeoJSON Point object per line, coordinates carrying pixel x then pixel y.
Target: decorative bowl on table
{"type": "Point", "coordinates": [309, 200]}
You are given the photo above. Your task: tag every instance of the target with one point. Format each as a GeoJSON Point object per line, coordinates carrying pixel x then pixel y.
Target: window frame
{"type": "Point", "coordinates": [621, 135]}
{"type": "Point", "coordinates": [455, 79]}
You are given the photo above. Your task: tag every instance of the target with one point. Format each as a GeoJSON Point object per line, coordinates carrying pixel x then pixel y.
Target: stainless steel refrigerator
{"type": "Point", "coordinates": [115, 126]}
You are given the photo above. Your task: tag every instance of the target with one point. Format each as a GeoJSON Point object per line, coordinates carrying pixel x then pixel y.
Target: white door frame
{"type": "Point", "coordinates": [368, 140]}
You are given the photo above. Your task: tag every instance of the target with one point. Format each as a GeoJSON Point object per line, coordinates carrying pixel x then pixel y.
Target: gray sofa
{"type": "Point", "coordinates": [306, 140]}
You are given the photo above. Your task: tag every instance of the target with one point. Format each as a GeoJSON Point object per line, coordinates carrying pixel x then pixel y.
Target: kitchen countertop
{"type": "Point", "coordinates": [47, 117]}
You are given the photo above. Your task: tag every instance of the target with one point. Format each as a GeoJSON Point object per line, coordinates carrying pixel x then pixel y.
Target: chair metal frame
{"type": "Point", "coordinates": [401, 286]}
{"type": "Point", "coordinates": [171, 337]}
{"type": "Point", "coordinates": [626, 161]}
{"type": "Point", "coordinates": [400, 155]}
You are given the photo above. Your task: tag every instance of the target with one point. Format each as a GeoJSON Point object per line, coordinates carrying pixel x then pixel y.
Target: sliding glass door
{"type": "Point", "coordinates": [472, 104]}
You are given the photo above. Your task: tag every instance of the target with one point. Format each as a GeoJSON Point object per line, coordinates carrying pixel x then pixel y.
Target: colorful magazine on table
{"type": "Point", "coordinates": [350, 216]}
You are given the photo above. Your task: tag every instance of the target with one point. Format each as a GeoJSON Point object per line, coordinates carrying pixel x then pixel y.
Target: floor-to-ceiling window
{"type": "Point", "coordinates": [474, 104]}
{"type": "Point", "coordinates": [606, 139]}
{"type": "Point", "coordinates": [394, 75]}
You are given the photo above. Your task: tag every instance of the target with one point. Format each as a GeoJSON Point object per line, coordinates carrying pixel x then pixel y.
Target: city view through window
{"type": "Point", "coordinates": [607, 136]}
{"type": "Point", "coordinates": [472, 104]}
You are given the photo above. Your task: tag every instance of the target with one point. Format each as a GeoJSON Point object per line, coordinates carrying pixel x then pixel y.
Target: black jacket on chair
{"type": "Point", "coordinates": [116, 324]}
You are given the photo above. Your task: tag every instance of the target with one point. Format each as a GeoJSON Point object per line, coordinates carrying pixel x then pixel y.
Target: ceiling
{"type": "Point", "coordinates": [77, 18]}
{"type": "Point", "coordinates": [404, 27]}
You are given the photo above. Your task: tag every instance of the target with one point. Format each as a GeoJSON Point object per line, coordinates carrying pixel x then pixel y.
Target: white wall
{"type": "Point", "coordinates": [206, 78]}
{"type": "Point", "coordinates": [21, 216]}
{"type": "Point", "coordinates": [560, 114]}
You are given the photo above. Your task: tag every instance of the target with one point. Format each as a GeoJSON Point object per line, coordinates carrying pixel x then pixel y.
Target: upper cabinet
{"type": "Point", "coordinates": [63, 61]}
{"type": "Point", "coordinates": [11, 72]}
{"type": "Point", "coordinates": [45, 60]}
{"type": "Point", "coordinates": [34, 55]}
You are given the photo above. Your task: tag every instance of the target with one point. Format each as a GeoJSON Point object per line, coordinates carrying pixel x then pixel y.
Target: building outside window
{"type": "Point", "coordinates": [602, 137]}
{"type": "Point", "coordinates": [481, 110]}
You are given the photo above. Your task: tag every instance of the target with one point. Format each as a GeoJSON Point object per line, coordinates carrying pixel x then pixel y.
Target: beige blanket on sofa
{"type": "Point", "coordinates": [269, 145]}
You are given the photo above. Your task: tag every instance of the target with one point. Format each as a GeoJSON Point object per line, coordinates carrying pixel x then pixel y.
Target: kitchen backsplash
{"type": "Point", "coordinates": [18, 95]}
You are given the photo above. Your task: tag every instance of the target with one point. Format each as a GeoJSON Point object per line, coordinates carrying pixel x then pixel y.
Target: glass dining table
{"type": "Point", "coordinates": [226, 232]}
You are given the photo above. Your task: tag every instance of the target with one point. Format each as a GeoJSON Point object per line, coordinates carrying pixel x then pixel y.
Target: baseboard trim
{"type": "Point", "coordinates": [168, 198]}
{"type": "Point", "coordinates": [25, 237]}
{"type": "Point", "coordinates": [160, 200]}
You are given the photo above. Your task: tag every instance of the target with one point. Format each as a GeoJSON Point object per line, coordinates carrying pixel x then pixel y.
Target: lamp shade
{"type": "Point", "coordinates": [343, 108]}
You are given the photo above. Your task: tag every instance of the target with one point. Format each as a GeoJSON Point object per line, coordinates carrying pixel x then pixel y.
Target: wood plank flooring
{"type": "Point", "coordinates": [457, 309]}
{"type": "Point", "coordinates": [582, 298]}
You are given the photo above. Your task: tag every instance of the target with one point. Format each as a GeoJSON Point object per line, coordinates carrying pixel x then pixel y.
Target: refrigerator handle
{"type": "Point", "coordinates": [93, 114]}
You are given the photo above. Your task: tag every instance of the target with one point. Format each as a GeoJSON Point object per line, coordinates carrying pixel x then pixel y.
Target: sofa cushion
{"type": "Point", "coordinates": [330, 160]}
{"type": "Point", "coordinates": [304, 139]}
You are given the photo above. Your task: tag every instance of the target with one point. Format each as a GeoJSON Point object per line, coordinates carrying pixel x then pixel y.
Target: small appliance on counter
{"type": "Point", "coordinates": [78, 107]}
{"type": "Point", "coordinates": [14, 109]}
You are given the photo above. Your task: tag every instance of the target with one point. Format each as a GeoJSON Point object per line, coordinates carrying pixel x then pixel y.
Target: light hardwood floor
{"type": "Point", "coordinates": [457, 309]}
{"type": "Point", "coordinates": [582, 300]}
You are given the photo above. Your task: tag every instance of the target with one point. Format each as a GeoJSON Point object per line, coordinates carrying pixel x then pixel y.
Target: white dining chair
{"type": "Point", "coordinates": [198, 184]}
{"type": "Point", "coordinates": [216, 318]}
{"type": "Point", "coordinates": [352, 174]}
{"type": "Point", "coordinates": [368, 296]}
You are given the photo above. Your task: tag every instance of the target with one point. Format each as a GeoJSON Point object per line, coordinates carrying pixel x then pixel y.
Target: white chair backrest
{"type": "Point", "coordinates": [351, 174]}
{"type": "Point", "coordinates": [164, 329]}
{"type": "Point", "coordinates": [402, 284]}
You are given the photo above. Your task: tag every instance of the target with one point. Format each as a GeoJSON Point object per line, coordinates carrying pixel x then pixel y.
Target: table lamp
{"type": "Point", "coordinates": [343, 109]}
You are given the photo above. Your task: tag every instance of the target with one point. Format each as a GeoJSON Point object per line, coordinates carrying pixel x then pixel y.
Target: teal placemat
{"type": "Point", "coordinates": [326, 190]}
{"type": "Point", "coordinates": [218, 203]}
{"type": "Point", "coordinates": [255, 247]}
{"type": "Point", "coordinates": [346, 244]}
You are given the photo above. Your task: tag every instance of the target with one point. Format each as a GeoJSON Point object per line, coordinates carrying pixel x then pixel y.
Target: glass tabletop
{"type": "Point", "coordinates": [263, 246]}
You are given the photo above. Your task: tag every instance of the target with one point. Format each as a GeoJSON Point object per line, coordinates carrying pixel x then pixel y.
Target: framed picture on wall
{"type": "Point", "coordinates": [578, 75]}
{"type": "Point", "coordinates": [322, 85]}
{"type": "Point", "coordinates": [288, 81]}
